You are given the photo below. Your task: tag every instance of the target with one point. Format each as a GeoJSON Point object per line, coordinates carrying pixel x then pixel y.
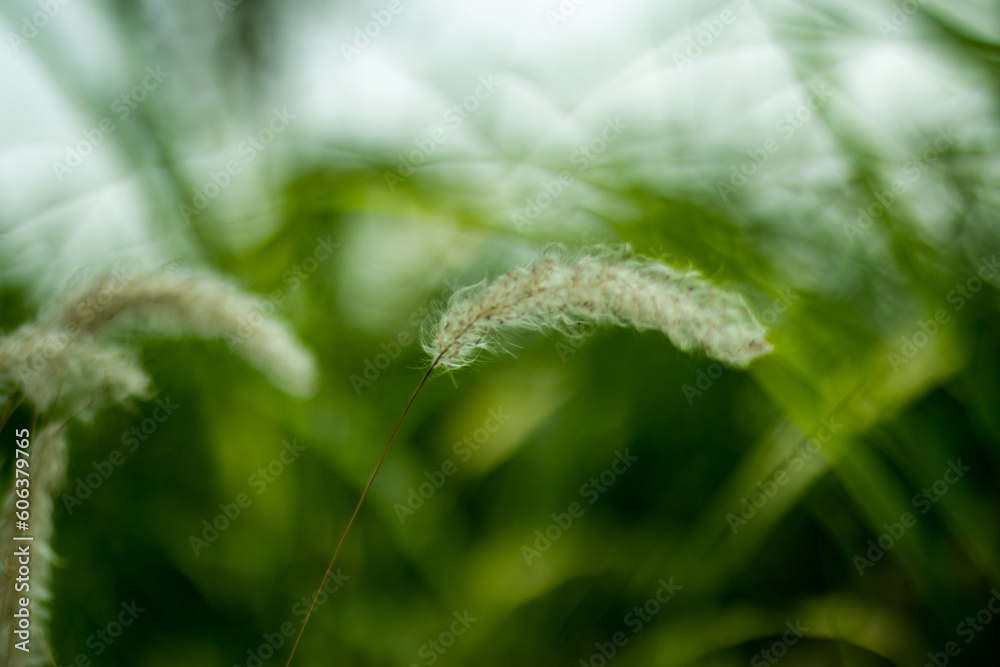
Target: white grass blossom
{"type": "Point", "coordinates": [77, 372]}
{"type": "Point", "coordinates": [570, 293]}
{"type": "Point", "coordinates": [47, 474]}
{"type": "Point", "coordinates": [78, 357]}
{"type": "Point", "coordinates": [184, 303]}
{"type": "Point", "coordinates": [565, 292]}
{"type": "Point", "coordinates": [75, 352]}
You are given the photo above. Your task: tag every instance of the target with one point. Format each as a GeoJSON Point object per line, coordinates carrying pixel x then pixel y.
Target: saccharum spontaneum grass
{"type": "Point", "coordinates": [48, 455]}
{"type": "Point", "coordinates": [571, 293]}
{"type": "Point", "coordinates": [78, 356]}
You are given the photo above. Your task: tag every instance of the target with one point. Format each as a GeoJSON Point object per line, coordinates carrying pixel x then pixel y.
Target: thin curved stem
{"type": "Point", "coordinates": [357, 508]}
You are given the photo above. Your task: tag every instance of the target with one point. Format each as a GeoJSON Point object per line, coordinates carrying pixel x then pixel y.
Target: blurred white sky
{"type": "Point", "coordinates": [559, 76]}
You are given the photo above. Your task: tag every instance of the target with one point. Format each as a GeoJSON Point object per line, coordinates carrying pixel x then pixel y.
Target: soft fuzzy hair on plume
{"type": "Point", "coordinates": [570, 293]}
{"type": "Point", "coordinates": [73, 352]}
{"type": "Point", "coordinates": [564, 292]}
{"type": "Point", "coordinates": [74, 359]}
{"type": "Point", "coordinates": [48, 453]}
{"type": "Point", "coordinates": [178, 303]}
{"type": "Point", "coordinates": [77, 372]}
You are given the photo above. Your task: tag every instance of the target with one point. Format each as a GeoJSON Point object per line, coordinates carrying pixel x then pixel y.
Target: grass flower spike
{"type": "Point", "coordinates": [78, 357]}
{"type": "Point", "coordinates": [570, 294]}
{"type": "Point", "coordinates": [566, 293]}
{"type": "Point", "coordinates": [177, 302]}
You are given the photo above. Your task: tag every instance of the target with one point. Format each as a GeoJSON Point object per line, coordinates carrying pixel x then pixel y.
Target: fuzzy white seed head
{"type": "Point", "coordinates": [563, 292]}
{"type": "Point", "coordinates": [77, 357]}
{"type": "Point", "coordinates": [179, 303]}
{"type": "Point", "coordinates": [77, 354]}
{"type": "Point", "coordinates": [47, 475]}
{"type": "Point", "coordinates": [75, 370]}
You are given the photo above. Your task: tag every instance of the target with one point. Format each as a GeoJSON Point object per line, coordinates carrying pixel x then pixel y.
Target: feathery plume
{"type": "Point", "coordinates": [82, 375]}
{"type": "Point", "coordinates": [47, 475]}
{"type": "Point", "coordinates": [563, 292]}
{"type": "Point", "coordinates": [73, 360]}
{"type": "Point", "coordinates": [69, 354]}
{"type": "Point", "coordinates": [185, 303]}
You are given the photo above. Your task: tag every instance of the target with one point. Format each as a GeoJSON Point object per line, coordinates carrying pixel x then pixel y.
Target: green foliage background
{"type": "Point", "coordinates": [701, 449]}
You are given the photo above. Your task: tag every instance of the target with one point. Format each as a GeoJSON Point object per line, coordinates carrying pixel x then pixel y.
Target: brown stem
{"type": "Point", "coordinates": [361, 500]}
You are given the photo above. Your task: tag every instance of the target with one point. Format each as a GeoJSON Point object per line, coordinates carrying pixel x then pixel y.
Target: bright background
{"type": "Point", "coordinates": [751, 133]}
